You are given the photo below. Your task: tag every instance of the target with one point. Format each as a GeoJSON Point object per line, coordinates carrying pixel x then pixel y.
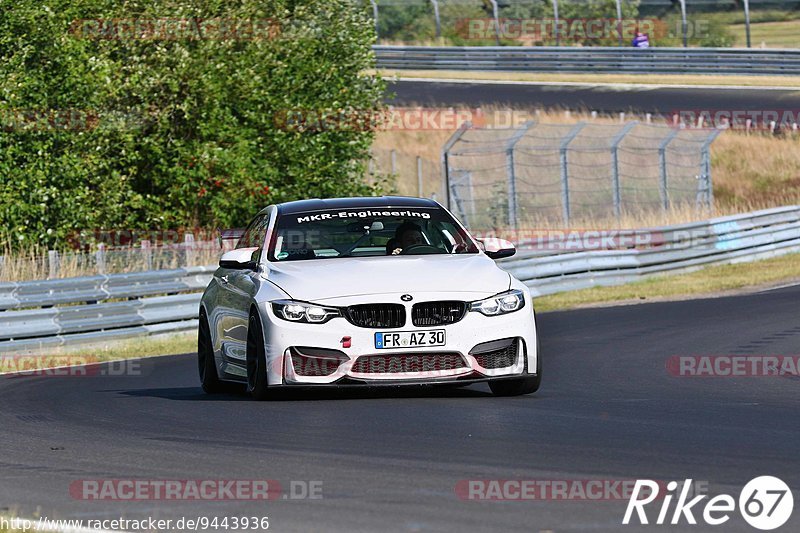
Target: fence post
{"type": "Point", "coordinates": [147, 255]}
{"type": "Point", "coordinates": [662, 168]}
{"type": "Point", "coordinates": [513, 211]}
{"type": "Point", "coordinates": [419, 176]}
{"type": "Point", "coordinates": [747, 21]}
{"type": "Point", "coordinates": [100, 258]}
{"type": "Point", "coordinates": [188, 242]}
{"type": "Point", "coordinates": [615, 166]}
{"type": "Point", "coordinates": [706, 167]}
{"type": "Point", "coordinates": [53, 264]}
{"type": "Point", "coordinates": [462, 175]}
{"type": "Point", "coordinates": [446, 158]}
{"type": "Point", "coordinates": [564, 170]}
{"type": "Point", "coordinates": [436, 18]}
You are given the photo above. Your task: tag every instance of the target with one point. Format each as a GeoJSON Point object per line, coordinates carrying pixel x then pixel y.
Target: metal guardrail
{"type": "Point", "coordinates": [591, 59]}
{"type": "Point", "coordinates": [669, 249]}
{"type": "Point", "coordinates": [17, 295]}
{"type": "Point", "coordinates": [35, 314]}
{"type": "Point", "coordinates": [47, 313]}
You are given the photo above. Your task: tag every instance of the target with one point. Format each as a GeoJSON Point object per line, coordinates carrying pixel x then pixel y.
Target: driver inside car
{"type": "Point", "coordinates": [407, 235]}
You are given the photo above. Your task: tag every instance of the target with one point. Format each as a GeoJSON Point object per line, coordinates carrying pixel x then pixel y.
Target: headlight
{"type": "Point", "coordinates": [303, 311]}
{"type": "Point", "coordinates": [500, 304]}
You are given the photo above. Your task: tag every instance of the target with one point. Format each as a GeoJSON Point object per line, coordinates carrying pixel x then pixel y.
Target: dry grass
{"type": "Point", "coordinates": [32, 262]}
{"type": "Point", "coordinates": [755, 170]}
{"type": "Point", "coordinates": [176, 343]}
{"type": "Point", "coordinates": [749, 171]}
{"type": "Point", "coordinates": [635, 79]}
{"type": "Point", "coordinates": [780, 34]}
{"type": "Point", "coordinates": [709, 281]}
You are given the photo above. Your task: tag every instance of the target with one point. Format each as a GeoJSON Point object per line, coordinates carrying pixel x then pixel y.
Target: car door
{"type": "Point", "coordinates": [236, 290]}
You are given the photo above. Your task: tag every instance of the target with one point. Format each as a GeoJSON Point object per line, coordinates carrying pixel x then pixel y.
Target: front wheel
{"type": "Point", "coordinates": [256, 359]}
{"type": "Point", "coordinates": [209, 379]}
{"type": "Point", "coordinates": [520, 386]}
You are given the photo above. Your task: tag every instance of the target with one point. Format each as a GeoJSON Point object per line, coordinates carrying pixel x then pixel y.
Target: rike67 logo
{"type": "Point", "coordinates": [765, 503]}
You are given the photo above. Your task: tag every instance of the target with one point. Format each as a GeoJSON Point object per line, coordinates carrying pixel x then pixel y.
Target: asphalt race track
{"type": "Point", "coordinates": [604, 99]}
{"type": "Point", "coordinates": [390, 460]}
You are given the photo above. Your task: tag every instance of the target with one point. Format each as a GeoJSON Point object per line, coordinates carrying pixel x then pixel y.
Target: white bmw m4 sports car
{"type": "Point", "coordinates": [365, 292]}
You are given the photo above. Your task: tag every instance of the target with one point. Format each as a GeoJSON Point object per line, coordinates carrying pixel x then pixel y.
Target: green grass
{"type": "Point", "coordinates": [714, 280]}
{"type": "Point", "coordinates": [769, 34]}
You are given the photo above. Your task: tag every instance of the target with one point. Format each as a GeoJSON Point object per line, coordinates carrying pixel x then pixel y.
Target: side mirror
{"type": "Point", "coordinates": [239, 259]}
{"type": "Point", "coordinates": [498, 248]}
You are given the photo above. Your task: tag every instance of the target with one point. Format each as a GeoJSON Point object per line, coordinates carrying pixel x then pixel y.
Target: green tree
{"type": "Point", "coordinates": [105, 125]}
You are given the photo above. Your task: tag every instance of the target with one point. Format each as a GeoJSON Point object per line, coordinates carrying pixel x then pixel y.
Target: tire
{"type": "Point", "coordinates": [209, 379]}
{"type": "Point", "coordinates": [520, 386]}
{"type": "Point", "coordinates": [257, 385]}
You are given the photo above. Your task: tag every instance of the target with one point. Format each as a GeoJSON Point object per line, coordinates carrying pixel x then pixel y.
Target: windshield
{"type": "Point", "coordinates": [363, 232]}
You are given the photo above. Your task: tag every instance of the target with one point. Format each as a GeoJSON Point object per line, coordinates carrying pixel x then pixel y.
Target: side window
{"type": "Point", "coordinates": [255, 234]}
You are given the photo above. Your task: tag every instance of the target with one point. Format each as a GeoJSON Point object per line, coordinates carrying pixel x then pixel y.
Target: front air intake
{"type": "Point", "coordinates": [377, 315]}
{"type": "Point", "coordinates": [438, 313]}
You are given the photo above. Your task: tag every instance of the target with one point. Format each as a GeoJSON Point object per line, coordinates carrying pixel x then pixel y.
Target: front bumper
{"type": "Point", "coordinates": [285, 340]}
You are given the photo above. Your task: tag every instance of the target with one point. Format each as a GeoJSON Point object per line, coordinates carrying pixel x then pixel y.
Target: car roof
{"type": "Point", "coordinates": [302, 206]}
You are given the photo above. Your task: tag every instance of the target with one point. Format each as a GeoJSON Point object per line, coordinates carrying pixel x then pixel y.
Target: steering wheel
{"type": "Point", "coordinates": [420, 249]}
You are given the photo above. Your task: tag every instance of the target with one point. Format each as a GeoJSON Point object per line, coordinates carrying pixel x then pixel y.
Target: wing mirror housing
{"type": "Point", "coordinates": [239, 259]}
{"type": "Point", "coordinates": [497, 248]}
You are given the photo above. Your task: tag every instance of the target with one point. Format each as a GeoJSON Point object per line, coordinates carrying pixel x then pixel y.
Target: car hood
{"type": "Point", "coordinates": [321, 279]}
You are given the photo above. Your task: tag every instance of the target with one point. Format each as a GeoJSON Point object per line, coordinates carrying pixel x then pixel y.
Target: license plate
{"type": "Point", "coordinates": [410, 339]}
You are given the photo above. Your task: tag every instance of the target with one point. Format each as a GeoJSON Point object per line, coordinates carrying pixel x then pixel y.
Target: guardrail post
{"type": "Point", "coordinates": [565, 171]}
{"type": "Point", "coordinates": [147, 255]}
{"type": "Point", "coordinates": [188, 242]}
{"type": "Point", "coordinates": [619, 21]}
{"type": "Point", "coordinates": [615, 166]}
{"type": "Point", "coordinates": [419, 176]}
{"type": "Point", "coordinates": [436, 18]}
{"type": "Point", "coordinates": [747, 21]}
{"type": "Point", "coordinates": [555, 22]}
{"type": "Point", "coordinates": [53, 264]}
{"type": "Point", "coordinates": [684, 25]}
{"type": "Point", "coordinates": [446, 158]}
{"type": "Point", "coordinates": [513, 211]}
{"type": "Point", "coordinates": [375, 16]}
{"type": "Point", "coordinates": [496, 21]}
{"type": "Point", "coordinates": [662, 168]}
{"type": "Point", "coordinates": [100, 258]}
